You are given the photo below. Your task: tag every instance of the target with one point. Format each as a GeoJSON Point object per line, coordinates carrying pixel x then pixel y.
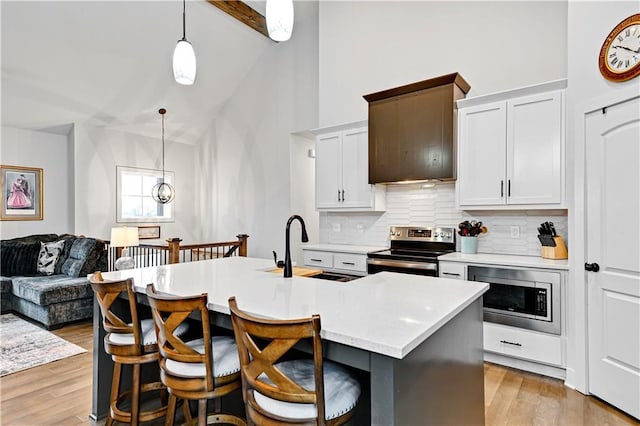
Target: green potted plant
{"type": "Point", "coordinates": [469, 232]}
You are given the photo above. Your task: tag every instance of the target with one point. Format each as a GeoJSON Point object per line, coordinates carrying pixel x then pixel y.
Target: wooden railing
{"type": "Point", "coordinates": [154, 255]}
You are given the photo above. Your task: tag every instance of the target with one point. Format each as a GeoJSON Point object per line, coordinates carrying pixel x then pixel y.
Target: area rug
{"type": "Point", "coordinates": [24, 345]}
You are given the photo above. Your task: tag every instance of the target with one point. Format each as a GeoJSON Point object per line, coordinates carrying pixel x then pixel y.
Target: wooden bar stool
{"type": "Point", "coordinates": [129, 341]}
{"type": "Point", "coordinates": [202, 369]}
{"type": "Point", "coordinates": [303, 391]}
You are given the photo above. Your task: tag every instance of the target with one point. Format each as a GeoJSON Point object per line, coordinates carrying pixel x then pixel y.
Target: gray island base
{"type": "Point", "coordinates": [438, 381]}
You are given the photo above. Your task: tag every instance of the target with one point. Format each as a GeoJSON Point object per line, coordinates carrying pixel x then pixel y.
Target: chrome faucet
{"type": "Point", "coordinates": [288, 269]}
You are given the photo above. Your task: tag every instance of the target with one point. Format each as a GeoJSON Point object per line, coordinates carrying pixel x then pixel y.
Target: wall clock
{"type": "Point", "coordinates": [619, 58]}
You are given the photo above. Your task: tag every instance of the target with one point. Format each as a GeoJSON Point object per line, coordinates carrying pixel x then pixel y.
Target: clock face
{"type": "Point", "coordinates": [624, 52]}
{"type": "Point", "coordinates": [620, 54]}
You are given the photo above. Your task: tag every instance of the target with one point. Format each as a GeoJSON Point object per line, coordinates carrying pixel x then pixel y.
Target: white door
{"type": "Point", "coordinates": [613, 235]}
{"type": "Point", "coordinates": [355, 169]}
{"type": "Point", "coordinates": [482, 153]}
{"type": "Point", "coordinates": [328, 170]}
{"type": "Point", "coordinates": [534, 149]}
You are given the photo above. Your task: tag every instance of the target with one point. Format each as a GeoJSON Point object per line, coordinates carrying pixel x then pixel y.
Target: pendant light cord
{"type": "Point", "coordinates": [184, 20]}
{"type": "Point", "coordinates": [162, 111]}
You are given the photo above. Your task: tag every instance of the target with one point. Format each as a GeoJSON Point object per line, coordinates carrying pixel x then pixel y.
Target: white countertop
{"type": "Point", "coordinates": [342, 248]}
{"type": "Point", "coordinates": [386, 313]}
{"type": "Point", "coordinates": [506, 260]}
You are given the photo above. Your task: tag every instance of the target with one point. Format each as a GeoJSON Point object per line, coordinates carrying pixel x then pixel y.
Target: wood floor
{"type": "Point", "coordinates": [59, 393]}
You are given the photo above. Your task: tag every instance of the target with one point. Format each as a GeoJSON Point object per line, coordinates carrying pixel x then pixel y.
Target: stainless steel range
{"type": "Point", "coordinates": [414, 250]}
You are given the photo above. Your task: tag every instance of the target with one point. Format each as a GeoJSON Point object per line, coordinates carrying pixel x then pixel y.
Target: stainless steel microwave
{"type": "Point", "coordinates": [520, 298]}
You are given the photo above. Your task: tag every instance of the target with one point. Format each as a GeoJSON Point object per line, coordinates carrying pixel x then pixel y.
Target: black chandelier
{"type": "Point", "coordinates": [163, 192]}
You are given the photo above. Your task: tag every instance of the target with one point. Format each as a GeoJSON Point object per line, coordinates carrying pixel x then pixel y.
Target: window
{"type": "Point", "coordinates": [134, 201]}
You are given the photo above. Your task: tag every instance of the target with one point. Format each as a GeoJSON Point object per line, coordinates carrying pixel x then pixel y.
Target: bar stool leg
{"type": "Point", "coordinates": [135, 395]}
{"type": "Point", "coordinates": [202, 412]}
{"type": "Point", "coordinates": [115, 390]}
{"type": "Point", "coordinates": [171, 410]}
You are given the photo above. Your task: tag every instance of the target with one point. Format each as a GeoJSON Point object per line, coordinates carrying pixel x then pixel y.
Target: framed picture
{"type": "Point", "coordinates": [151, 232]}
{"type": "Point", "coordinates": [21, 193]}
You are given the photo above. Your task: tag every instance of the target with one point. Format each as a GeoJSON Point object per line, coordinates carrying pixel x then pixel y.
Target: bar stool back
{"type": "Point", "coordinates": [303, 391]}
{"type": "Point", "coordinates": [201, 369]}
{"type": "Point", "coordinates": [129, 341]}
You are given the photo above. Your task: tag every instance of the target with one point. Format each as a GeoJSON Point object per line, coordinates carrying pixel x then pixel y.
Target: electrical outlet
{"type": "Point", "coordinates": [336, 227]}
{"type": "Point", "coordinates": [515, 232]}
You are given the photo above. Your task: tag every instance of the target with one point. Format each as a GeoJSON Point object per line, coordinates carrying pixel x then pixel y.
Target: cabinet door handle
{"type": "Point", "coordinates": [509, 188]}
{"type": "Point", "coordinates": [510, 343]}
{"type": "Point", "coordinates": [349, 263]}
{"type": "Point", "coordinates": [315, 260]}
{"type": "Point", "coordinates": [591, 267]}
{"type": "Point", "coordinates": [343, 195]}
{"type": "Point", "coordinates": [451, 273]}
{"type": "Point", "coordinates": [501, 188]}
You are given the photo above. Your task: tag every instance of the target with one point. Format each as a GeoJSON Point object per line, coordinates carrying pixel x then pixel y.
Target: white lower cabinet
{"type": "Point", "coordinates": [350, 262]}
{"type": "Point", "coordinates": [318, 259]}
{"type": "Point", "coordinates": [535, 351]}
{"type": "Point", "coordinates": [353, 263]}
{"type": "Point", "coordinates": [524, 344]}
{"type": "Point", "coordinates": [457, 271]}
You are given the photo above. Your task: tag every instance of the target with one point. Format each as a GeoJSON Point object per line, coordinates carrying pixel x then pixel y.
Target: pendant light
{"type": "Point", "coordinates": [184, 58]}
{"type": "Point", "coordinates": [163, 192]}
{"type": "Point", "coordinates": [279, 19]}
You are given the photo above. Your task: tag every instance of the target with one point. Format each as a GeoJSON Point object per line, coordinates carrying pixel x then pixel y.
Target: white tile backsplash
{"type": "Point", "coordinates": [414, 205]}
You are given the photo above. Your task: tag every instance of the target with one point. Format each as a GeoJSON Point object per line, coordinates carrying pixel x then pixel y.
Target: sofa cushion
{"type": "Point", "coordinates": [46, 290]}
{"type": "Point", "coordinates": [96, 260]}
{"type": "Point", "coordinates": [48, 257]}
{"type": "Point", "coordinates": [64, 255]}
{"type": "Point", "coordinates": [78, 254]}
{"type": "Point", "coordinates": [19, 258]}
{"type": "Point", "coordinates": [36, 238]}
{"type": "Point", "coordinates": [5, 285]}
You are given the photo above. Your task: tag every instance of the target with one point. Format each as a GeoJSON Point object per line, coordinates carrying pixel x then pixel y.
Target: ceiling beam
{"type": "Point", "coordinates": [243, 13]}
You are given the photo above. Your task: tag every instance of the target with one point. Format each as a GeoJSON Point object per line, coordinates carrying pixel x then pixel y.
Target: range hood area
{"type": "Point", "coordinates": [412, 130]}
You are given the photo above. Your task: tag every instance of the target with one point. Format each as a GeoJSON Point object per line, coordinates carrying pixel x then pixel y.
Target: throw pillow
{"type": "Point", "coordinates": [49, 254]}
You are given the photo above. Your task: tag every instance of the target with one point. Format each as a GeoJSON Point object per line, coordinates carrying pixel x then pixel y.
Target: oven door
{"type": "Point", "coordinates": [375, 265]}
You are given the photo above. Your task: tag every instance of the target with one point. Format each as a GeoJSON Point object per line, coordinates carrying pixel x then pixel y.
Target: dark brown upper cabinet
{"type": "Point", "coordinates": [412, 130]}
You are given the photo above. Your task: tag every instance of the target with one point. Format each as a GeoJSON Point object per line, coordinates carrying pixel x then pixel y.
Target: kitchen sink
{"type": "Point", "coordinates": [335, 277]}
{"type": "Point", "coordinates": [316, 273]}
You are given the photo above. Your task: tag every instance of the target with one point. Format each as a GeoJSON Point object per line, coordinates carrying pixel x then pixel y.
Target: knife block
{"type": "Point", "coordinates": [557, 252]}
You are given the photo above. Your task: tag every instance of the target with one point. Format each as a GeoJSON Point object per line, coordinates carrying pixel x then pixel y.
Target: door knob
{"type": "Point", "coordinates": [591, 267]}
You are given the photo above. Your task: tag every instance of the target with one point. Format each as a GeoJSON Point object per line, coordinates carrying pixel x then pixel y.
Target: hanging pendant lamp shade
{"type": "Point", "coordinates": [279, 19]}
{"type": "Point", "coordinates": [163, 192]}
{"type": "Point", "coordinates": [184, 57]}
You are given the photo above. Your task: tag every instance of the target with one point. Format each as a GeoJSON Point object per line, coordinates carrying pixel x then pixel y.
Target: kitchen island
{"type": "Point", "coordinates": [419, 339]}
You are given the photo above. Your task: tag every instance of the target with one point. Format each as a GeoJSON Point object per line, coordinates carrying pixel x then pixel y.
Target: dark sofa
{"type": "Point", "coordinates": [50, 284]}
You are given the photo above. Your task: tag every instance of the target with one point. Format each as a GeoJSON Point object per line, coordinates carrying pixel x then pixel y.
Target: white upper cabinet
{"type": "Point", "coordinates": [511, 150]}
{"type": "Point", "coordinates": [482, 154]}
{"type": "Point", "coordinates": [342, 170]}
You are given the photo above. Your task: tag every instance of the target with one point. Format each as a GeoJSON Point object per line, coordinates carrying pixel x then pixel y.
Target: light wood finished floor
{"type": "Point", "coordinates": [59, 393]}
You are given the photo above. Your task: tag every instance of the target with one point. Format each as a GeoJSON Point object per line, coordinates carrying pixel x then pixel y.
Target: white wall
{"type": "Point", "coordinates": [99, 150]}
{"type": "Point", "coordinates": [589, 23]}
{"type": "Point", "coordinates": [367, 46]}
{"type": "Point", "coordinates": [52, 153]}
{"type": "Point", "coordinates": [247, 150]}
{"type": "Point", "coordinates": [303, 193]}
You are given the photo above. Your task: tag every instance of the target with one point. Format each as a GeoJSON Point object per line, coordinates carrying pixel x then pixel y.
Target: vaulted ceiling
{"type": "Point", "coordinates": [108, 63]}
